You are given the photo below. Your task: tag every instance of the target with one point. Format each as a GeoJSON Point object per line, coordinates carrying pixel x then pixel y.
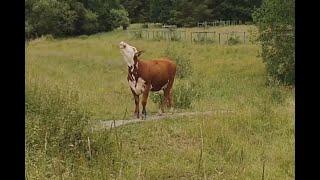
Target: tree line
{"type": "Point", "coordinates": [189, 12]}
{"type": "Point", "coordinates": [72, 17]}
{"type": "Point", "coordinates": [76, 17]}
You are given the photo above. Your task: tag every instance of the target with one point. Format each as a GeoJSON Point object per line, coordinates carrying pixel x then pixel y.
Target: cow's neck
{"type": "Point", "coordinates": [133, 69]}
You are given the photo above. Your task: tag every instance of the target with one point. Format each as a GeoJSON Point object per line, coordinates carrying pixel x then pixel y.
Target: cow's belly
{"type": "Point", "coordinates": [158, 86]}
{"type": "Point", "coordinates": [138, 87]}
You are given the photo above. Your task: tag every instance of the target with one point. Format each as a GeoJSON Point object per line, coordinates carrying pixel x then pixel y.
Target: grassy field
{"type": "Point", "coordinates": [73, 82]}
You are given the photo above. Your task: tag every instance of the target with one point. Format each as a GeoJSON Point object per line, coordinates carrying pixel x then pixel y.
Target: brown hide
{"type": "Point", "coordinates": [156, 72]}
{"type": "Point", "coordinates": [158, 75]}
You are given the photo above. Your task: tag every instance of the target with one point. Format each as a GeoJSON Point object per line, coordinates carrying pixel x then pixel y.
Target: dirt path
{"type": "Point", "coordinates": [107, 124]}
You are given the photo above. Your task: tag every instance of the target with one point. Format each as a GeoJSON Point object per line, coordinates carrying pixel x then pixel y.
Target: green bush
{"type": "Point", "coordinates": [233, 40]}
{"type": "Point", "coordinates": [184, 66]}
{"type": "Point", "coordinates": [174, 35]}
{"type": "Point", "coordinates": [184, 94]}
{"type": "Point", "coordinates": [119, 18]}
{"type": "Point", "coordinates": [157, 36]}
{"type": "Point", "coordinates": [90, 23]}
{"type": "Point", "coordinates": [137, 34]}
{"type": "Point", "coordinates": [67, 18]}
{"type": "Point", "coordinates": [145, 26]}
{"type": "Point", "coordinates": [202, 38]}
{"type": "Point", "coordinates": [276, 23]}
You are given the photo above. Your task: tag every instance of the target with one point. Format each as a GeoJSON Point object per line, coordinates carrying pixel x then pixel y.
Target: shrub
{"type": "Point", "coordinates": [200, 38]}
{"type": "Point", "coordinates": [233, 40]}
{"type": "Point", "coordinates": [184, 67]}
{"type": "Point", "coordinates": [203, 38]}
{"type": "Point", "coordinates": [90, 22]}
{"type": "Point", "coordinates": [174, 35]}
{"type": "Point", "coordinates": [276, 22]}
{"type": "Point", "coordinates": [157, 36]}
{"type": "Point", "coordinates": [183, 95]}
{"type": "Point", "coordinates": [145, 26]}
{"type": "Point", "coordinates": [137, 34]}
{"type": "Point", "coordinates": [253, 35]}
{"type": "Point", "coordinates": [83, 37]}
{"type": "Point", "coordinates": [120, 17]}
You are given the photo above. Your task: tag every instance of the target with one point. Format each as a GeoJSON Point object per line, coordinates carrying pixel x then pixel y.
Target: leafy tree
{"type": "Point", "coordinates": [90, 24]}
{"type": "Point", "coordinates": [276, 22]}
{"type": "Point", "coordinates": [160, 10]}
{"type": "Point", "coordinates": [119, 18]}
{"type": "Point", "coordinates": [50, 17]}
{"type": "Point", "coordinates": [138, 10]}
{"type": "Point", "coordinates": [75, 17]}
{"type": "Point", "coordinates": [72, 17]}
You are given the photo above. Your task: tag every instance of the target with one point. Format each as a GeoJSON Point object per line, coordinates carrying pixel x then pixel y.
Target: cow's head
{"type": "Point", "coordinates": [129, 52]}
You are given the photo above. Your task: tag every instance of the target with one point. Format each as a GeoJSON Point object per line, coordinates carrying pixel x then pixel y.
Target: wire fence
{"type": "Point", "coordinates": [219, 23]}
{"type": "Point", "coordinates": [227, 38]}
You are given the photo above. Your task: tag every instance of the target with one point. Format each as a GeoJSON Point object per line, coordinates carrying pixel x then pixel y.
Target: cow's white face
{"type": "Point", "coordinates": [128, 52]}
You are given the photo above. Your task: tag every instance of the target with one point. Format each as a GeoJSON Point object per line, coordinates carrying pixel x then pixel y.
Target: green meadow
{"type": "Point", "coordinates": [72, 83]}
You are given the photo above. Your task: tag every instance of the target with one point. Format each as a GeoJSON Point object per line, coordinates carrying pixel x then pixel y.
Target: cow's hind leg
{"type": "Point", "coordinates": [161, 105]}
{"type": "Point", "coordinates": [168, 94]}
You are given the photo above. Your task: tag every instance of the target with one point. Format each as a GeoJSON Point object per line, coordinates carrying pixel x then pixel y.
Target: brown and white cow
{"type": "Point", "coordinates": [145, 76]}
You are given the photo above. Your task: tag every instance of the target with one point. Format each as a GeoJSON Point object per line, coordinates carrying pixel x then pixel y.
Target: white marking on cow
{"type": "Point", "coordinates": [165, 86]}
{"type": "Point", "coordinates": [138, 87]}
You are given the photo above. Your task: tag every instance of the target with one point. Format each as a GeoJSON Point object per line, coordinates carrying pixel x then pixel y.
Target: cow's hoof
{"type": "Point", "coordinates": [136, 116]}
{"type": "Point", "coordinates": [144, 116]}
{"type": "Point", "coordinates": [171, 110]}
{"type": "Point", "coordinates": [160, 112]}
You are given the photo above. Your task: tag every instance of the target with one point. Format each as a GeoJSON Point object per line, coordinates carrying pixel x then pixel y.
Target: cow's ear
{"type": "Point", "coordinates": [139, 53]}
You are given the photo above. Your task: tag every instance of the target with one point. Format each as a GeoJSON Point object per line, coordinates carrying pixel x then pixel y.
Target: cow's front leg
{"type": "Point", "coordinates": [144, 100]}
{"type": "Point", "coordinates": [136, 101]}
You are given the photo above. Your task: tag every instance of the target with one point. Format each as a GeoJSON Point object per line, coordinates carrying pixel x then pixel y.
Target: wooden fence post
{"type": "Point", "coordinates": [205, 39]}
{"type": "Point", "coordinates": [219, 38]}
{"type": "Point", "coordinates": [244, 37]}
{"type": "Point", "coordinates": [227, 38]}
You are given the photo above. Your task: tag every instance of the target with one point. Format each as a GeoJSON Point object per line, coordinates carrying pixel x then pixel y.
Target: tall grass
{"type": "Point", "coordinates": [70, 83]}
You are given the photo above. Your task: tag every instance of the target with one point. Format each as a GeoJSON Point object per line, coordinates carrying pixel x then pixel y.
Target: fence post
{"type": "Point", "coordinates": [185, 35]}
{"type": "Point", "coordinates": [219, 38]}
{"type": "Point", "coordinates": [227, 38]}
{"type": "Point", "coordinates": [205, 36]}
{"type": "Point", "coordinates": [244, 37]}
